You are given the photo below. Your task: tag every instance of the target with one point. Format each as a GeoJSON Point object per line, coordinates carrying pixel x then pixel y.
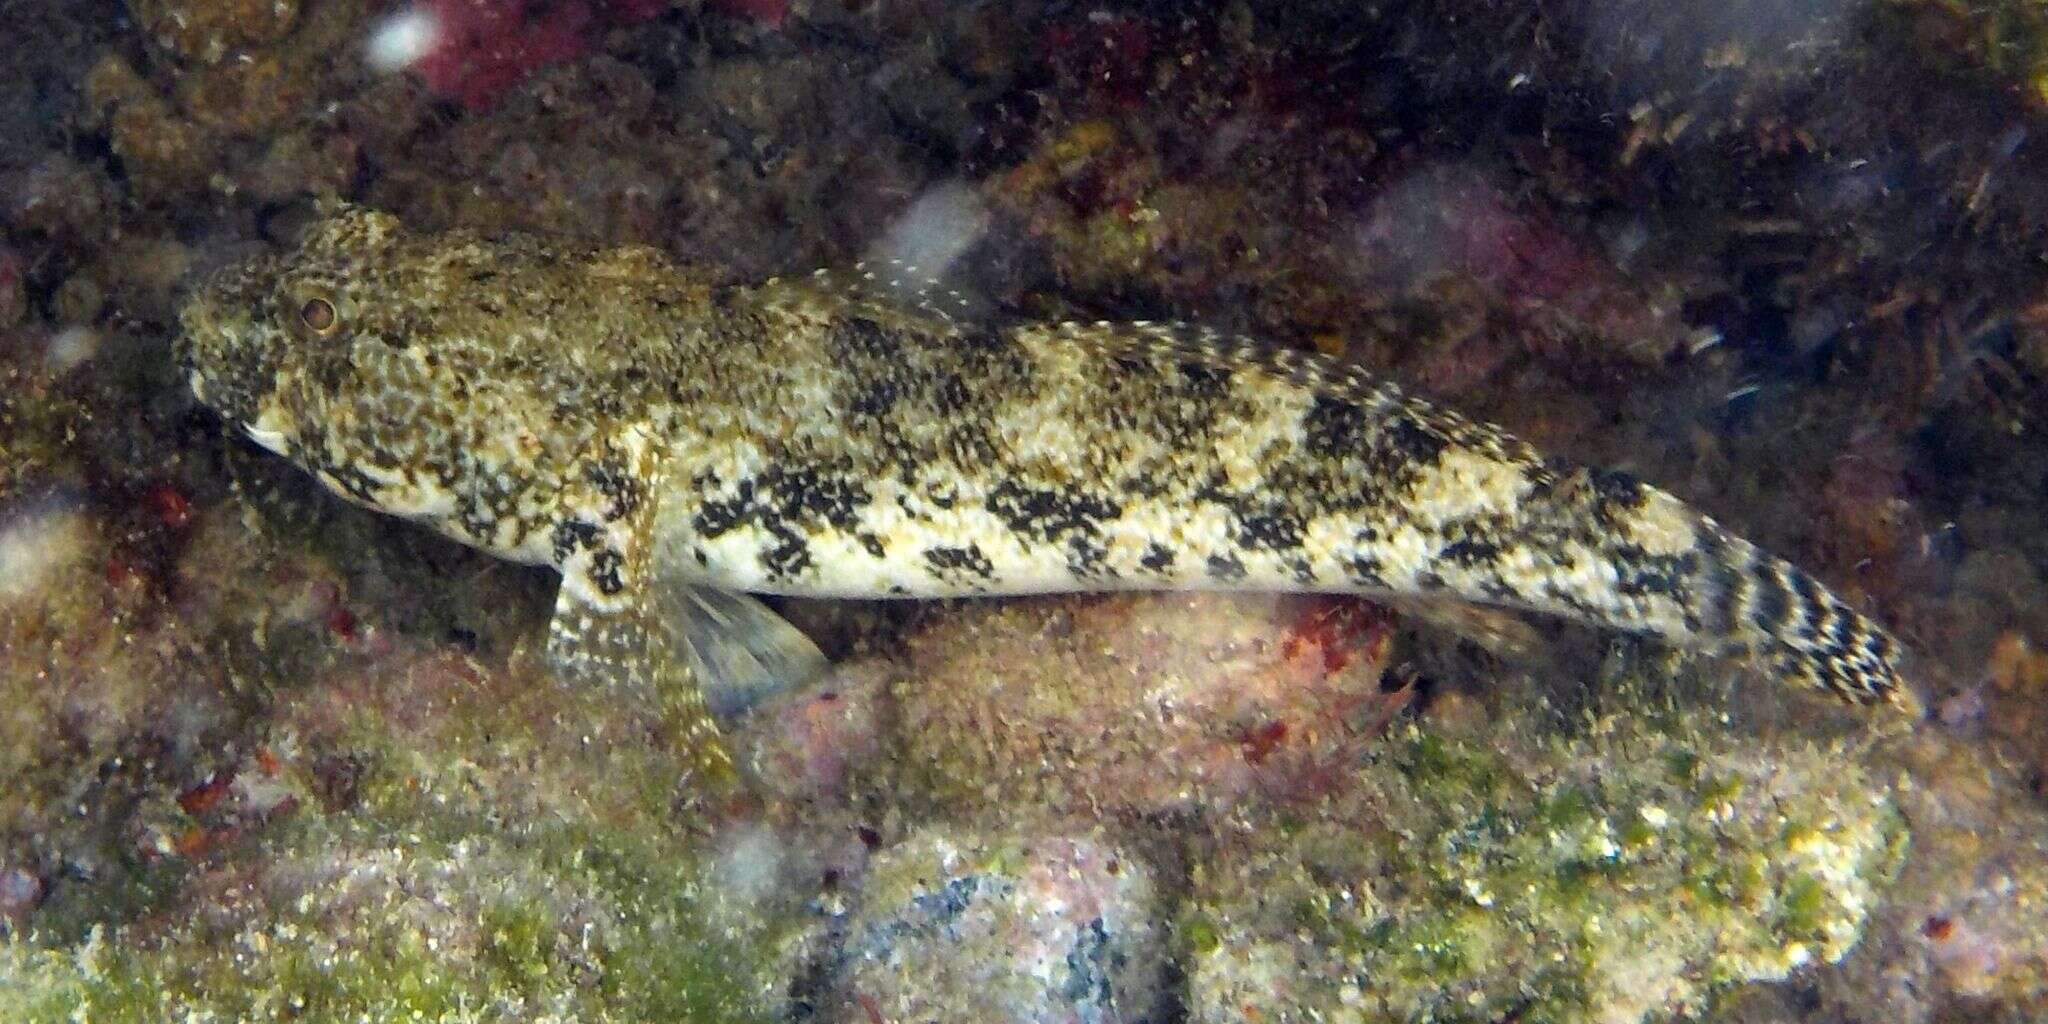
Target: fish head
{"type": "Point", "coordinates": [384, 362]}
{"type": "Point", "coordinates": [311, 354]}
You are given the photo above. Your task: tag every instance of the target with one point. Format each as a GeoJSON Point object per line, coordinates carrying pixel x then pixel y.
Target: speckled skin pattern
{"type": "Point", "coordinates": [609, 413]}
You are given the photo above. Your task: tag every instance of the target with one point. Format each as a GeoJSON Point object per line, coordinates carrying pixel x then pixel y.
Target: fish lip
{"type": "Point", "coordinates": [271, 439]}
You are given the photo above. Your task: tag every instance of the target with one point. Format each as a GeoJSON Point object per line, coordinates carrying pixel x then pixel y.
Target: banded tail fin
{"type": "Point", "coordinates": [1813, 638]}
{"type": "Point", "coordinates": [1658, 564]}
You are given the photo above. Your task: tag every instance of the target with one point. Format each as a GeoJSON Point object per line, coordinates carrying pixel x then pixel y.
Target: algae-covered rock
{"type": "Point", "coordinates": [1963, 934]}
{"type": "Point", "coordinates": [958, 926]}
{"type": "Point", "coordinates": [1490, 874]}
{"type": "Point", "coordinates": [1140, 704]}
{"type": "Point", "coordinates": [418, 836]}
{"type": "Point", "coordinates": [210, 30]}
{"type": "Point", "coordinates": [816, 743]}
{"type": "Point", "coordinates": [345, 922]}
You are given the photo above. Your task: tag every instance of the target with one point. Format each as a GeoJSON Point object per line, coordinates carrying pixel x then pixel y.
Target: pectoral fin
{"type": "Point", "coordinates": [624, 648]}
{"type": "Point", "coordinates": [741, 652]}
{"type": "Point", "coordinates": [608, 628]}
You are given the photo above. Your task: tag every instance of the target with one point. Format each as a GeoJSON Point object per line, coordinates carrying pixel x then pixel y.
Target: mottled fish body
{"type": "Point", "coordinates": [652, 436]}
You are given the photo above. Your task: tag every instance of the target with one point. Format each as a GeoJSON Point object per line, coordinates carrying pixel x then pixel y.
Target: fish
{"type": "Point", "coordinates": [676, 446]}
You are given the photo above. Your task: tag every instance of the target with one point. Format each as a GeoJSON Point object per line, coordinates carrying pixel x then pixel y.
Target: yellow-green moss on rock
{"type": "Point", "coordinates": [1487, 873]}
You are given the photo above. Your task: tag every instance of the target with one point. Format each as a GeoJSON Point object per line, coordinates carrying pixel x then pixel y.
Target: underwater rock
{"type": "Point", "coordinates": [1003, 930]}
{"type": "Point", "coordinates": [92, 694]}
{"type": "Point", "coordinates": [13, 297]}
{"type": "Point", "coordinates": [347, 922]}
{"type": "Point", "coordinates": [303, 162]}
{"type": "Point", "coordinates": [165, 154]}
{"type": "Point", "coordinates": [19, 894]}
{"type": "Point", "coordinates": [208, 30]}
{"type": "Point", "coordinates": [1141, 704]}
{"type": "Point", "coordinates": [769, 13]}
{"type": "Point", "coordinates": [244, 97]}
{"type": "Point", "coordinates": [813, 743]}
{"type": "Point", "coordinates": [78, 300]}
{"type": "Point", "coordinates": [1486, 872]}
{"type": "Point", "coordinates": [1964, 934]}
{"type": "Point", "coordinates": [1447, 220]}
{"type": "Point", "coordinates": [2016, 704]}
{"type": "Point", "coordinates": [185, 128]}
{"type": "Point", "coordinates": [419, 837]}
{"type": "Point", "coordinates": [57, 197]}
{"type": "Point", "coordinates": [588, 150]}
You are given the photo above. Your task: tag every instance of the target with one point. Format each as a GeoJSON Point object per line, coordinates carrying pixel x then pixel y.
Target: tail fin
{"type": "Point", "coordinates": [1810, 636]}
{"type": "Point", "coordinates": [1640, 558]}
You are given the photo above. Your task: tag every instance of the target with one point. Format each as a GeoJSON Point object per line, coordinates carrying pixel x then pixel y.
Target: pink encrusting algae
{"type": "Point", "coordinates": [472, 51]}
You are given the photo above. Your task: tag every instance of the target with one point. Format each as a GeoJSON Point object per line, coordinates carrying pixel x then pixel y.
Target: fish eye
{"type": "Point", "coordinates": [319, 317]}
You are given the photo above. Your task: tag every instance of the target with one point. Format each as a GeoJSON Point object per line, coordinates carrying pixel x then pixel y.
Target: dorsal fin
{"type": "Point", "coordinates": [894, 288]}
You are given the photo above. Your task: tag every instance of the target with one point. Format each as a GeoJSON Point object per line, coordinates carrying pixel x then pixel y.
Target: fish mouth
{"type": "Point", "coordinates": [270, 429]}
{"type": "Point", "coordinates": [271, 439]}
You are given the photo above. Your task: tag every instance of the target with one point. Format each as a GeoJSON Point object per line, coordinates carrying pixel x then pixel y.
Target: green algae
{"type": "Point", "coordinates": [1635, 868]}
